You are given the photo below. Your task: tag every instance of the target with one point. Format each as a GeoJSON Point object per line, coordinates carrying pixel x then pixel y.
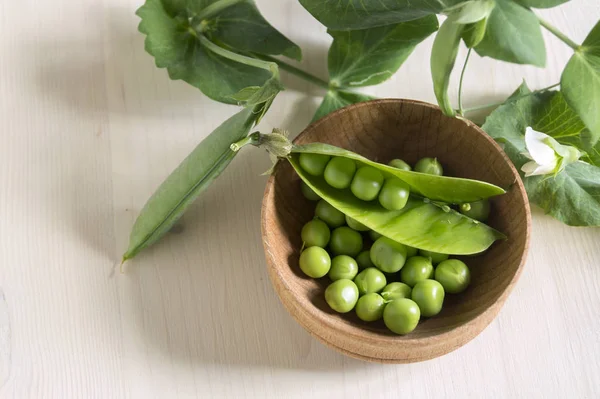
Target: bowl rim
{"type": "Point", "coordinates": [460, 334]}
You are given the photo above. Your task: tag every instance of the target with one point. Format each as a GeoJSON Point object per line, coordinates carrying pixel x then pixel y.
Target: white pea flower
{"type": "Point", "coordinates": [547, 155]}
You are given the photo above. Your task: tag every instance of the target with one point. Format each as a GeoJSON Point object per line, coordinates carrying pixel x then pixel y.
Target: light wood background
{"type": "Point", "coordinates": [89, 128]}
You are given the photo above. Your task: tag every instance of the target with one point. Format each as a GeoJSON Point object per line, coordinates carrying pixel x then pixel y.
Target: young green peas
{"type": "Point", "coordinates": [315, 262]}
{"type": "Point", "coordinates": [364, 260]}
{"type": "Point", "coordinates": [394, 194]}
{"type": "Point", "coordinates": [388, 255]}
{"type": "Point", "coordinates": [399, 164]}
{"type": "Point", "coordinates": [478, 210]}
{"type": "Point", "coordinates": [434, 256]}
{"type": "Point", "coordinates": [430, 166]}
{"type": "Point", "coordinates": [429, 295]}
{"type": "Point", "coordinates": [416, 269]}
{"type": "Point", "coordinates": [374, 235]}
{"type": "Point", "coordinates": [396, 290]}
{"type": "Point", "coordinates": [329, 214]}
{"type": "Point", "coordinates": [370, 307]}
{"type": "Point", "coordinates": [366, 183]}
{"type": "Point", "coordinates": [354, 225]}
{"type": "Point", "coordinates": [343, 267]}
{"type": "Point", "coordinates": [411, 251]}
{"type": "Point", "coordinates": [339, 172]}
{"type": "Point", "coordinates": [345, 241]}
{"type": "Point", "coordinates": [308, 192]}
{"type": "Point", "coordinates": [453, 275]}
{"type": "Point", "coordinates": [313, 164]}
{"type": "Point", "coordinates": [401, 316]}
{"type": "Point", "coordinates": [315, 234]}
{"type": "Point", "coordinates": [370, 280]}
{"type": "Point", "coordinates": [341, 295]}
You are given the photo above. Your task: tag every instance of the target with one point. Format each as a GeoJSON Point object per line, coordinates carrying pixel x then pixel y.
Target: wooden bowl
{"type": "Point", "coordinates": [382, 130]}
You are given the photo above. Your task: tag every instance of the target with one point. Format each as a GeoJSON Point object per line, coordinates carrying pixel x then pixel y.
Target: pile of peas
{"type": "Point", "coordinates": [389, 280]}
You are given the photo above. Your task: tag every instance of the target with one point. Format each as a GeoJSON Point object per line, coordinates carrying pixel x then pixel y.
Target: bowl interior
{"type": "Point", "coordinates": [382, 130]}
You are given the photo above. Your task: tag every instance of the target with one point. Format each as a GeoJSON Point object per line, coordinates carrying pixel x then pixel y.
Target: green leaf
{"type": "Point", "coordinates": [473, 34]}
{"type": "Point", "coordinates": [573, 196]}
{"type": "Point", "coordinates": [370, 56]}
{"type": "Point", "coordinates": [541, 3]}
{"type": "Point", "coordinates": [176, 46]}
{"type": "Point", "coordinates": [513, 34]}
{"type": "Point", "coordinates": [443, 57]}
{"type": "Point", "coordinates": [363, 14]}
{"type": "Point", "coordinates": [580, 82]}
{"type": "Point", "coordinates": [454, 233]}
{"type": "Point", "coordinates": [336, 99]}
{"type": "Point", "coordinates": [184, 184]}
{"type": "Point", "coordinates": [472, 11]}
{"type": "Point", "coordinates": [244, 28]}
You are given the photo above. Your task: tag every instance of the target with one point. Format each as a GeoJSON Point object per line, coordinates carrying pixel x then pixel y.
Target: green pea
{"type": "Point", "coordinates": [394, 291]}
{"type": "Point", "coordinates": [429, 295]}
{"type": "Point", "coordinates": [343, 267]}
{"type": "Point", "coordinates": [315, 234]}
{"type": "Point", "coordinates": [341, 295]}
{"type": "Point", "coordinates": [313, 164]}
{"type": "Point", "coordinates": [478, 210]}
{"type": "Point", "coordinates": [315, 262]}
{"type": "Point", "coordinates": [353, 224]}
{"type": "Point", "coordinates": [370, 307]}
{"type": "Point", "coordinates": [364, 260]}
{"type": "Point", "coordinates": [374, 235]}
{"type": "Point", "coordinates": [308, 192]}
{"type": "Point", "coordinates": [401, 316]}
{"type": "Point", "coordinates": [453, 275]}
{"type": "Point", "coordinates": [329, 214]}
{"type": "Point", "coordinates": [388, 255]}
{"type": "Point", "coordinates": [411, 251]}
{"type": "Point", "coordinates": [366, 183]}
{"type": "Point", "coordinates": [394, 194]}
{"type": "Point", "coordinates": [415, 270]}
{"type": "Point", "coordinates": [370, 280]}
{"type": "Point", "coordinates": [345, 241]}
{"type": "Point", "coordinates": [434, 256]}
{"type": "Point", "coordinates": [339, 172]}
{"type": "Point", "coordinates": [399, 164]}
{"type": "Point", "coordinates": [430, 166]}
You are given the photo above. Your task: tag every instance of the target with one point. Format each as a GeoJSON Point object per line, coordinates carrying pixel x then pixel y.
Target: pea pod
{"type": "Point", "coordinates": [421, 223]}
{"type": "Point", "coordinates": [438, 188]}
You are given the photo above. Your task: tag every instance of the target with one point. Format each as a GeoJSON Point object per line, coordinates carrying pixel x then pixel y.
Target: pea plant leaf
{"type": "Point", "coordinates": [472, 11]}
{"type": "Point", "coordinates": [242, 27]}
{"type": "Point", "coordinates": [473, 33]}
{"type": "Point", "coordinates": [336, 99]}
{"type": "Point", "coordinates": [176, 46]}
{"type": "Point", "coordinates": [370, 56]}
{"type": "Point", "coordinates": [573, 196]}
{"type": "Point", "coordinates": [513, 34]}
{"type": "Point", "coordinates": [443, 57]}
{"type": "Point", "coordinates": [363, 14]}
{"type": "Point", "coordinates": [541, 3]}
{"type": "Point", "coordinates": [580, 82]}
{"type": "Point", "coordinates": [203, 165]}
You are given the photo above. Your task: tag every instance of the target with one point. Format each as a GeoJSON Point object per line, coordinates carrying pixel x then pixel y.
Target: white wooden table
{"type": "Point", "coordinates": [89, 128]}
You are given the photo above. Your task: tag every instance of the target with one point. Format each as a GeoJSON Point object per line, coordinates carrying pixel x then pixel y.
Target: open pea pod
{"type": "Point", "coordinates": [421, 223]}
{"type": "Point", "coordinates": [453, 190]}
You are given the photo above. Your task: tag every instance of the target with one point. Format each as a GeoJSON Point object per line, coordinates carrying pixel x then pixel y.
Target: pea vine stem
{"type": "Point", "coordinates": [296, 71]}
{"type": "Point", "coordinates": [480, 107]}
{"type": "Point", "coordinates": [215, 8]}
{"type": "Point", "coordinates": [461, 111]}
{"type": "Point", "coordinates": [550, 28]}
{"type": "Point", "coordinates": [269, 66]}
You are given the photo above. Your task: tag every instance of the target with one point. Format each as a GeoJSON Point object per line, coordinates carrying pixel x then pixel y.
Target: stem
{"type": "Point", "coordinates": [479, 107]}
{"type": "Point", "coordinates": [460, 84]}
{"type": "Point", "coordinates": [558, 34]}
{"type": "Point", "coordinates": [292, 69]}
{"type": "Point", "coordinates": [252, 138]}
{"type": "Point", "coordinates": [235, 56]}
{"type": "Point", "coordinates": [216, 8]}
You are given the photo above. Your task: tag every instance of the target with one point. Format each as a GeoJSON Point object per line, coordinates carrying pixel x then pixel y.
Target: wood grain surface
{"type": "Point", "coordinates": [89, 128]}
{"type": "Point", "coordinates": [382, 130]}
